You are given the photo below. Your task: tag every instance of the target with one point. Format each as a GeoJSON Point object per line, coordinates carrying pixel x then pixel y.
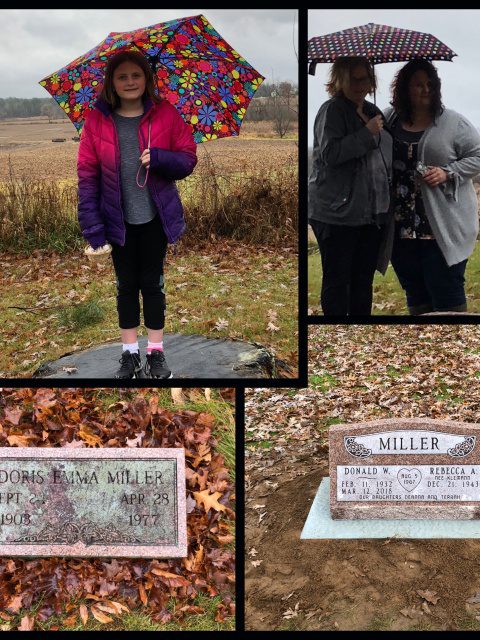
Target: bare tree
{"type": "Point", "coordinates": [283, 108]}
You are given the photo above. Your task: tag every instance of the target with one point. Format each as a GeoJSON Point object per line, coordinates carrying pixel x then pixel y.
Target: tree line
{"type": "Point", "coordinates": [267, 98]}
{"type": "Point", "coordinates": [29, 108]}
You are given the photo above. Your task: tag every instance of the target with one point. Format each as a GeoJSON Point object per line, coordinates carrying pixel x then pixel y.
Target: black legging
{"type": "Point", "coordinates": [139, 268]}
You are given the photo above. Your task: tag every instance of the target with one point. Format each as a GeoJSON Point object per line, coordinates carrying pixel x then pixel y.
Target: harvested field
{"type": "Point", "coordinates": [30, 147]}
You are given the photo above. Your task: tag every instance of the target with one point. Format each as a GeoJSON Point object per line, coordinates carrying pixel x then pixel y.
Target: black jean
{"type": "Point", "coordinates": [139, 269]}
{"type": "Point", "coordinates": [429, 283]}
{"type": "Point", "coordinates": [349, 258]}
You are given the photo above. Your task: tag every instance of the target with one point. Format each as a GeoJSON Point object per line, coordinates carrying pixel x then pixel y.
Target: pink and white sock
{"type": "Point", "coordinates": [133, 347]}
{"type": "Point", "coordinates": [158, 346]}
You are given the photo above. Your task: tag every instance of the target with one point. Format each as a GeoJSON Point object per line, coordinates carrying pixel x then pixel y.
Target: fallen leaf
{"type": "Point", "coordinates": [413, 613]}
{"type": "Point", "coordinates": [143, 594]}
{"type": "Point", "coordinates": [13, 414]}
{"type": "Point", "coordinates": [288, 596]}
{"type": "Point", "coordinates": [119, 606]}
{"type": "Point", "coordinates": [70, 620]}
{"type": "Point", "coordinates": [209, 501]}
{"type": "Point", "coordinates": [69, 370]}
{"type": "Point", "coordinates": [107, 607]}
{"type": "Point", "coordinates": [314, 612]}
{"type": "Point", "coordinates": [26, 623]}
{"type": "Point", "coordinates": [21, 441]}
{"type": "Point", "coordinates": [429, 596]}
{"type": "Point", "coordinates": [83, 614]}
{"type": "Point", "coordinates": [178, 396]}
{"type": "Point", "coordinates": [15, 604]}
{"type": "Point", "coordinates": [137, 441]}
{"type": "Point", "coordinates": [98, 615]}
{"type": "Point", "coordinates": [272, 327]}
{"type": "Point", "coordinates": [291, 613]}
{"type": "Point", "coordinates": [165, 574]}
{"type": "Point", "coordinates": [426, 608]}
{"type": "Point", "coordinates": [474, 599]}
{"type": "Point", "coordinates": [87, 434]}
{"type": "Point", "coordinates": [220, 324]}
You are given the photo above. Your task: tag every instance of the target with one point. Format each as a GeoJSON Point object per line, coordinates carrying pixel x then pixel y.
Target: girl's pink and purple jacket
{"type": "Point", "coordinates": [172, 157]}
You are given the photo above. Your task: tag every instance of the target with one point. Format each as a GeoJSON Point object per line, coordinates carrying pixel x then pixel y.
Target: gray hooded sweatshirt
{"type": "Point", "coordinates": [453, 144]}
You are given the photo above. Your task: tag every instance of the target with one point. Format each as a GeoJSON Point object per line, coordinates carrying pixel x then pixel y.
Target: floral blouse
{"type": "Point", "coordinates": [410, 219]}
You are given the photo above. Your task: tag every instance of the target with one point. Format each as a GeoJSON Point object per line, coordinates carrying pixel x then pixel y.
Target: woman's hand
{"type": "Point", "coordinates": [145, 158]}
{"type": "Point", "coordinates": [375, 125]}
{"type": "Point", "coordinates": [435, 176]}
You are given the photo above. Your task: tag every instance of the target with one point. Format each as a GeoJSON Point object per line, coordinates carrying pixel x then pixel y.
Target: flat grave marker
{"type": "Point", "coordinates": [64, 501]}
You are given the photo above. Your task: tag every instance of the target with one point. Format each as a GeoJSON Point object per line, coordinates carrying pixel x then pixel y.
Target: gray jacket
{"type": "Point", "coordinates": [340, 188]}
{"type": "Point", "coordinates": [453, 144]}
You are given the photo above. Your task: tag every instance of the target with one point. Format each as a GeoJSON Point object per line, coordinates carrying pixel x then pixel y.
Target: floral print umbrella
{"type": "Point", "coordinates": [377, 42]}
{"type": "Point", "coordinates": [196, 70]}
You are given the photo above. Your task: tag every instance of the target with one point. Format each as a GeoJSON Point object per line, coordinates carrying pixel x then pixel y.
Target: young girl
{"type": "Point", "coordinates": [132, 149]}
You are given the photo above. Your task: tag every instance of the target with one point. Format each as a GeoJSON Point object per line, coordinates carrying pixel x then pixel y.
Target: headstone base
{"type": "Point", "coordinates": [321, 526]}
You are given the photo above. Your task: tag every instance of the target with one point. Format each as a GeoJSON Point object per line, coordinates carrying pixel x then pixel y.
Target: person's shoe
{"type": "Point", "coordinates": [156, 365]}
{"type": "Point", "coordinates": [130, 366]}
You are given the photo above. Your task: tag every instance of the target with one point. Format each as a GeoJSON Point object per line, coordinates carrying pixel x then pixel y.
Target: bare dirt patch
{"type": "Point", "coordinates": [344, 584]}
{"type": "Point", "coordinates": [356, 373]}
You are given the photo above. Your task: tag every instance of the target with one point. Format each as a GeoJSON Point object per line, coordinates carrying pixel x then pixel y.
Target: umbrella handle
{"type": "Point", "coordinates": [141, 165]}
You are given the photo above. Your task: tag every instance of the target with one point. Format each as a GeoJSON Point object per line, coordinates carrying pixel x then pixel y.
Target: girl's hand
{"type": "Point", "coordinates": [145, 158]}
{"type": "Point", "coordinates": [435, 176]}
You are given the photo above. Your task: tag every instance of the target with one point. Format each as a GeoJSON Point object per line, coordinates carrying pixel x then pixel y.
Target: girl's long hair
{"type": "Point", "coordinates": [108, 92]}
{"type": "Point", "coordinates": [400, 89]}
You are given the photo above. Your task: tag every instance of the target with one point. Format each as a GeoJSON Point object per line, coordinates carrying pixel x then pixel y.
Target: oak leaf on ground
{"type": "Point", "coordinates": [209, 501]}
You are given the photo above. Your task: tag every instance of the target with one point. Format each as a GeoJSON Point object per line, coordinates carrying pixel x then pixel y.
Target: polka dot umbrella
{"type": "Point", "coordinates": [377, 42]}
{"type": "Point", "coordinates": [196, 70]}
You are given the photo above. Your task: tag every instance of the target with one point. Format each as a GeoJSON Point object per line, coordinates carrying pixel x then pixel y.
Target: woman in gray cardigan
{"type": "Point", "coordinates": [436, 152]}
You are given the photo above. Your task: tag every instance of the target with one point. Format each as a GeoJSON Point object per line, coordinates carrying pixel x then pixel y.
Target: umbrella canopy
{"type": "Point", "coordinates": [378, 43]}
{"type": "Point", "coordinates": [196, 70]}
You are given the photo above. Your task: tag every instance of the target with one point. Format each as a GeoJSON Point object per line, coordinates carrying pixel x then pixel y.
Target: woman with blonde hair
{"type": "Point", "coordinates": [349, 188]}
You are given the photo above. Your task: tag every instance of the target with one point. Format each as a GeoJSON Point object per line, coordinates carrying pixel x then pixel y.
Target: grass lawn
{"type": "Point", "coordinates": [55, 304]}
{"type": "Point", "coordinates": [388, 296]}
{"type": "Point", "coordinates": [135, 620]}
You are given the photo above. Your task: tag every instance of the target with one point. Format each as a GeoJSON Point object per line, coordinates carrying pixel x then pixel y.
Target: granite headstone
{"type": "Point", "coordinates": [409, 468]}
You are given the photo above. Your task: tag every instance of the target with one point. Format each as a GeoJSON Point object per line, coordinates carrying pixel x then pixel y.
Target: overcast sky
{"type": "Point", "coordinates": [35, 43]}
{"type": "Point", "coordinates": [457, 28]}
